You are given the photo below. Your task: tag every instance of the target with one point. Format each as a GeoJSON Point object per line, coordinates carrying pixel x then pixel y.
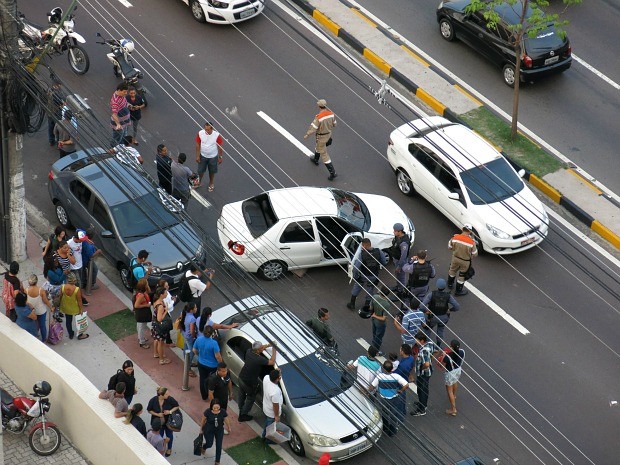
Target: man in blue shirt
{"type": "Point", "coordinates": [138, 266]}
{"type": "Point", "coordinates": [90, 252]}
{"type": "Point", "coordinates": [412, 321]}
{"type": "Point", "coordinates": [208, 351]}
{"type": "Point", "coordinates": [405, 367]}
{"type": "Point", "coordinates": [389, 386]}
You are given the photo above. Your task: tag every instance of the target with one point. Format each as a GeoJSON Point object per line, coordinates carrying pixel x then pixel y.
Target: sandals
{"type": "Point", "coordinates": [211, 187]}
{"type": "Point", "coordinates": [165, 361]}
{"type": "Point", "coordinates": [155, 356]}
{"type": "Point", "coordinates": [145, 346]}
{"type": "Point", "coordinates": [451, 412]}
{"type": "Point", "coordinates": [81, 337]}
{"type": "Point", "coordinates": [168, 453]}
{"type": "Point", "coordinates": [192, 374]}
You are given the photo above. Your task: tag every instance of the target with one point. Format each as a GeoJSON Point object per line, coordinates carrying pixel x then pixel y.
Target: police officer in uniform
{"type": "Point", "coordinates": [437, 306]}
{"type": "Point", "coordinates": [399, 252]}
{"type": "Point", "coordinates": [366, 274]}
{"type": "Point", "coordinates": [323, 125]}
{"type": "Point", "coordinates": [463, 249]}
{"type": "Point", "coordinates": [420, 273]}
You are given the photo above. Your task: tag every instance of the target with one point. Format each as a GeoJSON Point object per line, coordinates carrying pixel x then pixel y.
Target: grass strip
{"type": "Point", "coordinates": [522, 150]}
{"type": "Point", "coordinates": [253, 452]}
{"type": "Point", "coordinates": [118, 325]}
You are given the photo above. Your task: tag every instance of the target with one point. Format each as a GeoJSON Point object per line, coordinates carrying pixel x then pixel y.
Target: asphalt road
{"type": "Point", "coordinates": [537, 398]}
{"type": "Point", "coordinates": [576, 112]}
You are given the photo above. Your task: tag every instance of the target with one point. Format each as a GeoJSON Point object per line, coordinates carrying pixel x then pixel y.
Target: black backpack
{"type": "Point", "coordinates": [186, 291]}
{"type": "Point", "coordinates": [133, 264]}
{"type": "Point", "coordinates": [114, 380]}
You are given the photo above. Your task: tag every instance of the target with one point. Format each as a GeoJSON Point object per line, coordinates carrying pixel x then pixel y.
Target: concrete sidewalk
{"type": "Point", "coordinates": [98, 358]}
{"type": "Point", "coordinates": [400, 61]}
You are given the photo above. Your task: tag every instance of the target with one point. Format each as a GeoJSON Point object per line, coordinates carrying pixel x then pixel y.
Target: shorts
{"type": "Point", "coordinates": [452, 377]}
{"type": "Point", "coordinates": [207, 163]}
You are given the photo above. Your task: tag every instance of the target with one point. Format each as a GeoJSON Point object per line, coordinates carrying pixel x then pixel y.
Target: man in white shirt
{"type": "Point", "coordinates": [368, 367]}
{"type": "Point", "coordinates": [208, 152]}
{"type": "Point", "coordinates": [196, 286]}
{"type": "Point", "coordinates": [272, 399]}
{"type": "Point", "coordinates": [126, 149]}
{"type": "Point", "coordinates": [75, 244]}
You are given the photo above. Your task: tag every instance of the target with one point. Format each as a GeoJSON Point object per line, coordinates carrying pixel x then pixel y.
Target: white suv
{"type": "Point", "coordinates": [469, 181]}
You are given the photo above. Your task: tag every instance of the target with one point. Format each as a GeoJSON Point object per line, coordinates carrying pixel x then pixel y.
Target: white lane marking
{"type": "Point", "coordinates": [287, 135]}
{"type": "Point", "coordinates": [201, 200]}
{"type": "Point", "coordinates": [125, 3]}
{"type": "Point", "coordinates": [596, 71]}
{"type": "Point", "coordinates": [485, 100]}
{"type": "Point", "coordinates": [497, 309]}
{"type": "Point", "coordinates": [361, 341]}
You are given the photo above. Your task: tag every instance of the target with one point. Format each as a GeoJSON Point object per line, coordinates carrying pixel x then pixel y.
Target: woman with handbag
{"type": "Point", "coordinates": [142, 311]}
{"type": "Point", "coordinates": [71, 304]}
{"type": "Point", "coordinates": [214, 421]}
{"type": "Point", "coordinates": [160, 407]}
{"type": "Point", "coordinates": [162, 325]}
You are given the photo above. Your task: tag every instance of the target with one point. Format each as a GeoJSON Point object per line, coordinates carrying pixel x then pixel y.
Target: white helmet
{"type": "Point", "coordinates": [127, 45]}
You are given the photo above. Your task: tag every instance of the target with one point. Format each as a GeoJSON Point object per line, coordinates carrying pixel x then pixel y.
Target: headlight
{"type": "Point", "coordinates": [320, 440]}
{"type": "Point", "coordinates": [497, 232]}
{"type": "Point", "coordinates": [155, 271]}
{"type": "Point", "coordinates": [440, 6]}
{"type": "Point", "coordinates": [216, 4]}
{"type": "Point", "coordinates": [376, 416]}
{"type": "Point", "coordinates": [545, 219]}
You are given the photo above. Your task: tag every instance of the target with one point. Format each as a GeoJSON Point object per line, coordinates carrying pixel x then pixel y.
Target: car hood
{"type": "Point", "coordinates": [384, 212]}
{"type": "Point", "coordinates": [515, 215]}
{"type": "Point", "coordinates": [326, 419]}
{"type": "Point", "coordinates": [165, 250]}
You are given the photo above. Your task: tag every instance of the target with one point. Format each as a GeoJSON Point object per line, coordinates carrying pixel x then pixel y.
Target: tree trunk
{"type": "Point", "coordinates": [515, 96]}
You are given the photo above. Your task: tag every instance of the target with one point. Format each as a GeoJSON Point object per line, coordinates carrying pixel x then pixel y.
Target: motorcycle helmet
{"type": "Point", "coordinates": [55, 16]}
{"type": "Point", "coordinates": [42, 388]}
{"type": "Point", "coordinates": [127, 45]}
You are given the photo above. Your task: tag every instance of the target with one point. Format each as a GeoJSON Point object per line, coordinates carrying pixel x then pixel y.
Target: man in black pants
{"type": "Point", "coordinates": [249, 377]}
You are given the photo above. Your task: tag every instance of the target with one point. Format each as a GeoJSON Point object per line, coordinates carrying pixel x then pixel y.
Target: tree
{"type": "Point", "coordinates": [532, 21]}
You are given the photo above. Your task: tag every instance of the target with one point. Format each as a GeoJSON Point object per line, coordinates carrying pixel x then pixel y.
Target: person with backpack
{"type": "Point", "coordinates": [192, 287]}
{"type": "Point", "coordinates": [437, 306]}
{"type": "Point", "coordinates": [142, 311]}
{"type": "Point", "coordinates": [139, 268]}
{"type": "Point", "coordinates": [125, 375]}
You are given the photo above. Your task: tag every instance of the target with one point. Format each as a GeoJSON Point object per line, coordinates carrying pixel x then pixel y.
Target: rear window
{"type": "Point", "coordinates": [243, 316]}
{"type": "Point", "coordinates": [548, 39]}
{"type": "Point", "coordinates": [258, 215]}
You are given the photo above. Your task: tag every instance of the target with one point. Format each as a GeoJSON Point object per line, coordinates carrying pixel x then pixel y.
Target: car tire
{"type": "Point", "coordinates": [296, 445]}
{"type": "Point", "coordinates": [272, 270]}
{"type": "Point", "coordinates": [197, 12]}
{"type": "Point", "coordinates": [508, 72]}
{"type": "Point", "coordinates": [479, 244]}
{"type": "Point", "coordinates": [446, 29]}
{"type": "Point", "coordinates": [62, 215]}
{"type": "Point", "coordinates": [123, 271]}
{"type": "Point", "coordinates": [405, 185]}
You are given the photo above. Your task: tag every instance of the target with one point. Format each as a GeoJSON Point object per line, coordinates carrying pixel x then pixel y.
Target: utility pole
{"type": "Point", "coordinates": [12, 191]}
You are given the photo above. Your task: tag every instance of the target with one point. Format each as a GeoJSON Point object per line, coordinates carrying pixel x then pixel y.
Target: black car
{"type": "Point", "coordinates": [110, 194]}
{"type": "Point", "coordinates": [547, 53]}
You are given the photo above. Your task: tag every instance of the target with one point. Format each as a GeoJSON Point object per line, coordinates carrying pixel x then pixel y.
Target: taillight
{"type": "Point", "coordinates": [527, 61]}
{"type": "Point", "coordinates": [50, 175]}
{"type": "Point", "coordinates": [236, 247]}
{"type": "Point", "coordinates": [569, 51]}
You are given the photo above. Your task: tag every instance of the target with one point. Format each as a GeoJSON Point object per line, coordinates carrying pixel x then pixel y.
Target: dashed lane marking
{"type": "Point", "coordinates": [200, 199]}
{"type": "Point", "coordinates": [287, 135]}
{"type": "Point", "coordinates": [597, 72]}
{"type": "Point", "coordinates": [125, 3]}
{"type": "Point", "coordinates": [497, 309]}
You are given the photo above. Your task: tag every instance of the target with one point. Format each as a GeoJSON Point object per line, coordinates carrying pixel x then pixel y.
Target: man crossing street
{"type": "Point", "coordinates": [322, 126]}
{"type": "Point", "coordinates": [463, 249]}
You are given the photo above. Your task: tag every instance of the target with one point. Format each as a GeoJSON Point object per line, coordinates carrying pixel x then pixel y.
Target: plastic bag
{"type": "Point", "coordinates": [81, 322]}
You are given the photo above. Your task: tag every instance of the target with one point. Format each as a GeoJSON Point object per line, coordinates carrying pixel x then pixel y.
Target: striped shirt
{"type": "Point", "coordinates": [388, 384]}
{"type": "Point", "coordinates": [64, 263]}
{"type": "Point", "coordinates": [412, 322]}
{"type": "Point", "coordinates": [367, 370]}
{"type": "Point", "coordinates": [118, 105]}
{"type": "Point", "coordinates": [425, 355]}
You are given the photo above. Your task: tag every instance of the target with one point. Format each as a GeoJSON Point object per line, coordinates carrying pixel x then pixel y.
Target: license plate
{"type": "Point", "coordinates": [548, 61]}
{"type": "Point", "coordinates": [358, 448]}
{"type": "Point", "coordinates": [528, 241]}
{"type": "Point", "coordinates": [247, 13]}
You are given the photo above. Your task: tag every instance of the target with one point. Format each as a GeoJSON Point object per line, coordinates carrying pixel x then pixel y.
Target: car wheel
{"type": "Point", "coordinates": [479, 244]}
{"type": "Point", "coordinates": [272, 270]}
{"type": "Point", "coordinates": [62, 215]}
{"type": "Point", "coordinates": [509, 75]}
{"type": "Point", "coordinates": [446, 29]}
{"type": "Point", "coordinates": [404, 182]}
{"type": "Point", "coordinates": [296, 445]}
{"type": "Point", "coordinates": [197, 12]}
{"type": "Point", "coordinates": [123, 271]}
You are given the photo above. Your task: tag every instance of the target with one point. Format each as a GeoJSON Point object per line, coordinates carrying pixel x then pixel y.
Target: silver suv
{"type": "Point", "coordinates": [110, 194]}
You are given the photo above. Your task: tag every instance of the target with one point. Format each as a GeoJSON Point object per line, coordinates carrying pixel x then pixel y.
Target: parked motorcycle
{"type": "Point", "coordinates": [58, 38]}
{"type": "Point", "coordinates": [20, 412]}
{"type": "Point", "coordinates": [120, 57]}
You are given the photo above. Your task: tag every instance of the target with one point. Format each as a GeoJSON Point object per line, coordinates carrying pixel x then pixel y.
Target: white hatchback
{"type": "Point", "coordinates": [468, 181]}
{"type": "Point", "coordinates": [305, 227]}
{"type": "Point", "coordinates": [224, 12]}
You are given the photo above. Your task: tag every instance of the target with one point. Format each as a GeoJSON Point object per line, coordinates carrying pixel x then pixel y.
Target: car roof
{"type": "Point", "coordinates": [464, 148]}
{"type": "Point", "coordinates": [302, 201]}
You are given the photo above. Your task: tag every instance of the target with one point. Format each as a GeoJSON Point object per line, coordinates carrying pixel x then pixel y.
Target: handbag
{"type": "Point", "coordinates": [165, 325]}
{"type": "Point", "coordinates": [469, 273]}
{"type": "Point", "coordinates": [198, 445]}
{"type": "Point", "coordinates": [175, 421]}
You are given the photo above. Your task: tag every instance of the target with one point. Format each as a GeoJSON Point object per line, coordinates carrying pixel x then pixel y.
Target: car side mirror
{"type": "Point", "coordinates": [107, 234]}
{"type": "Point", "coordinates": [454, 196]}
{"type": "Point", "coordinates": [521, 173]}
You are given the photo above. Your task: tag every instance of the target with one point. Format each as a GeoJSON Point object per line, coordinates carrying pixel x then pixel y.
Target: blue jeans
{"type": "Point", "coordinates": [168, 433]}
{"type": "Point", "coordinates": [441, 321]}
{"type": "Point", "coordinates": [363, 283]}
{"type": "Point", "coordinates": [378, 330]}
{"type": "Point", "coordinates": [42, 321]}
{"type": "Point", "coordinates": [69, 324]}
{"type": "Point", "coordinates": [118, 135]}
{"type": "Point", "coordinates": [390, 415]}
{"type": "Point", "coordinates": [268, 421]}
{"type": "Point", "coordinates": [188, 346]}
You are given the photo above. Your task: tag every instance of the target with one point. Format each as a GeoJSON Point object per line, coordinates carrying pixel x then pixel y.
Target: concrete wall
{"type": "Point", "coordinates": [88, 421]}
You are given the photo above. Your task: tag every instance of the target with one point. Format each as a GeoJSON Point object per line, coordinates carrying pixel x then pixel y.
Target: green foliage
{"type": "Point", "coordinates": [118, 325]}
{"type": "Point", "coordinates": [253, 452]}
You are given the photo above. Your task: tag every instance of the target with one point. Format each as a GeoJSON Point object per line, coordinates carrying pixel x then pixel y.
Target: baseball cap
{"type": "Point", "coordinates": [441, 283]}
{"type": "Point", "coordinates": [398, 227]}
{"type": "Point", "coordinates": [324, 459]}
{"type": "Point", "coordinates": [322, 102]}
{"type": "Point", "coordinates": [467, 226]}
{"type": "Point", "coordinates": [81, 234]}
{"type": "Point", "coordinates": [257, 345]}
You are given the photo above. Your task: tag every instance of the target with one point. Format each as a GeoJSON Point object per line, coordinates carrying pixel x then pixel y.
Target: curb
{"type": "Point", "coordinates": [443, 110]}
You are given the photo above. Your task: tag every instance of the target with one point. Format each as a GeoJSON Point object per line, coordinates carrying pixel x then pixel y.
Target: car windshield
{"type": "Point", "coordinates": [244, 315]}
{"type": "Point", "coordinates": [141, 217]}
{"type": "Point", "coordinates": [310, 379]}
{"type": "Point", "coordinates": [352, 209]}
{"type": "Point", "coordinates": [492, 182]}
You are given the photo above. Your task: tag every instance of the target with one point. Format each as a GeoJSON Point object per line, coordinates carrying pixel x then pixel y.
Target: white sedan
{"type": "Point", "coordinates": [469, 181]}
{"type": "Point", "coordinates": [305, 227]}
{"type": "Point", "coordinates": [224, 12]}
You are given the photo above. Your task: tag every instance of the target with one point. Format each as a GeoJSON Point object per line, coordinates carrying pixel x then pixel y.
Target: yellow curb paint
{"type": "Point", "coordinates": [585, 181]}
{"type": "Point", "coordinates": [325, 21]}
{"type": "Point", "coordinates": [415, 55]}
{"type": "Point", "coordinates": [430, 101]}
{"type": "Point", "coordinates": [549, 191]}
{"type": "Point", "coordinates": [606, 233]}
{"type": "Point", "coordinates": [377, 61]}
{"type": "Point", "coordinates": [468, 95]}
{"type": "Point", "coordinates": [363, 16]}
